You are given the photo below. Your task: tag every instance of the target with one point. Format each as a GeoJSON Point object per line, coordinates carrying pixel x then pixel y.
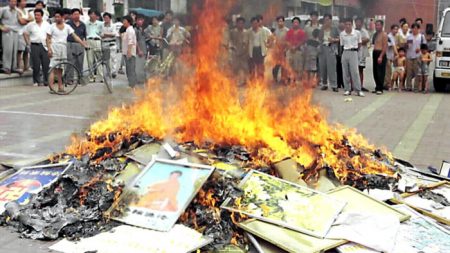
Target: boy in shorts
{"type": "Point", "coordinates": [424, 62]}
{"type": "Point", "coordinates": [398, 77]}
{"type": "Point", "coordinates": [311, 52]}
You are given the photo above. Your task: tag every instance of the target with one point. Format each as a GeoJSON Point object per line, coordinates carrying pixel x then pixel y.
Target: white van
{"type": "Point", "coordinates": [441, 75]}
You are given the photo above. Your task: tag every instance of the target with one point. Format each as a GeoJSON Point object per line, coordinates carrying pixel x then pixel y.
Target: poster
{"type": "Point", "coordinates": [29, 180]}
{"type": "Point", "coordinates": [286, 204]}
{"type": "Point", "coordinates": [180, 239]}
{"type": "Point", "coordinates": [161, 192]}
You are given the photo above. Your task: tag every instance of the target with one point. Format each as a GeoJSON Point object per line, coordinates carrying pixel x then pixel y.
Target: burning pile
{"type": "Point", "coordinates": [202, 110]}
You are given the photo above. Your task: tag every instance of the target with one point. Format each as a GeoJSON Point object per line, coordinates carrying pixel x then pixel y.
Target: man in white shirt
{"type": "Point", "coordinates": [57, 46]}
{"type": "Point", "coordinates": [363, 51]}
{"type": "Point", "coordinates": [109, 46]}
{"type": "Point", "coordinates": [350, 40]}
{"type": "Point", "coordinates": [258, 39]}
{"type": "Point", "coordinates": [129, 50]}
{"type": "Point", "coordinates": [390, 54]}
{"type": "Point", "coordinates": [413, 40]}
{"type": "Point", "coordinates": [35, 34]}
{"type": "Point", "coordinates": [94, 30]}
{"type": "Point", "coordinates": [10, 38]}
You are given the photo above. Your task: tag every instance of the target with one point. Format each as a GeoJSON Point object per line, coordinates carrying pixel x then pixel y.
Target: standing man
{"type": "Point", "coordinates": [350, 40]}
{"type": "Point", "coordinates": [329, 38]}
{"type": "Point", "coordinates": [75, 51]}
{"type": "Point", "coordinates": [23, 52]}
{"type": "Point", "coordinates": [10, 37]}
{"type": "Point", "coordinates": [141, 49]}
{"type": "Point", "coordinates": [257, 38]}
{"type": "Point", "coordinates": [129, 50]}
{"type": "Point", "coordinates": [109, 46]}
{"type": "Point", "coordinates": [414, 40]}
{"type": "Point", "coordinates": [94, 30]}
{"type": "Point", "coordinates": [390, 55]}
{"type": "Point", "coordinates": [380, 44]}
{"type": "Point", "coordinates": [281, 29]}
{"type": "Point", "coordinates": [363, 51]}
{"type": "Point", "coordinates": [295, 38]}
{"type": "Point", "coordinates": [35, 34]}
{"type": "Point", "coordinates": [314, 16]}
{"type": "Point", "coordinates": [57, 46]}
{"type": "Point", "coordinates": [239, 50]}
{"type": "Point", "coordinates": [340, 77]}
{"type": "Point", "coordinates": [166, 24]}
{"type": "Point", "coordinates": [280, 49]}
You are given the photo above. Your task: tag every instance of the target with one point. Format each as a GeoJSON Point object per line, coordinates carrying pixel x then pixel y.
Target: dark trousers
{"type": "Point", "coordinates": [130, 65]}
{"type": "Point", "coordinates": [340, 76]}
{"type": "Point", "coordinates": [256, 63]}
{"type": "Point", "coordinates": [379, 70]}
{"type": "Point", "coordinates": [39, 58]}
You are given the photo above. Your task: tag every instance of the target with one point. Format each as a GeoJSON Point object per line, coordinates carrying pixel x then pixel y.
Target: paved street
{"type": "Point", "coordinates": [34, 123]}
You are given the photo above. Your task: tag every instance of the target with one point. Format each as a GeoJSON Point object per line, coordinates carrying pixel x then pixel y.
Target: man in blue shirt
{"type": "Point", "coordinates": [94, 31]}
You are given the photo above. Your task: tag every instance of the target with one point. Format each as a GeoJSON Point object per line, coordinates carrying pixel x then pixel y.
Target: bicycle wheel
{"type": "Point", "coordinates": [153, 68]}
{"type": "Point", "coordinates": [107, 79]}
{"type": "Point", "coordinates": [70, 76]}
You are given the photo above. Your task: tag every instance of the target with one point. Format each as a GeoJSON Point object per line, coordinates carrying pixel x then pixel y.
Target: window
{"type": "Point", "coordinates": [446, 25]}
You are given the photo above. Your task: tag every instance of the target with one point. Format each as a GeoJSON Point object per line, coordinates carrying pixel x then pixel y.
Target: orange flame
{"type": "Point", "coordinates": [205, 105]}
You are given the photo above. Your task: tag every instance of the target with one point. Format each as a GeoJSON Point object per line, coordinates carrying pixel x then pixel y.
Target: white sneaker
{"type": "Point", "coordinates": [361, 94]}
{"type": "Point", "coordinates": [347, 93]}
{"type": "Point", "coordinates": [35, 84]}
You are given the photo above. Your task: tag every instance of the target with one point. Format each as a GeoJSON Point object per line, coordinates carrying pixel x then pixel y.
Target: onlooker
{"type": "Point", "coordinates": [422, 73]}
{"type": "Point", "coordinates": [41, 6]}
{"type": "Point", "coordinates": [35, 34]}
{"type": "Point", "coordinates": [402, 35]}
{"type": "Point", "coordinates": [295, 39]}
{"type": "Point", "coordinates": [398, 77]}
{"type": "Point", "coordinates": [390, 55]}
{"type": "Point", "coordinates": [129, 50]}
{"type": "Point", "coordinates": [141, 49]}
{"type": "Point", "coordinates": [314, 24]}
{"type": "Point", "coordinates": [75, 50]}
{"type": "Point", "coordinates": [10, 37]}
{"type": "Point", "coordinates": [57, 46]}
{"type": "Point", "coordinates": [363, 51]}
{"type": "Point", "coordinates": [380, 43]}
{"type": "Point", "coordinates": [177, 37]}
{"type": "Point", "coordinates": [167, 22]}
{"type": "Point", "coordinates": [23, 52]}
{"type": "Point", "coordinates": [312, 56]}
{"type": "Point", "coordinates": [350, 40]}
{"type": "Point", "coordinates": [414, 40]}
{"type": "Point", "coordinates": [257, 38]}
{"type": "Point", "coordinates": [281, 29]}
{"type": "Point", "coordinates": [419, 21]}
{"type": "Point", "coordinates": [239, 50]}
{"type": "Point", "coordinates": [339, 75]}
{"type": "Point", "coordinates": [109, 46]}
{"type": "Point", "coordinates": [94, 30]}
{"type": "Point", "coordinates": [329, 38]}
{"type": "Point", "coordinates": [154, 37]}
{"type": "Point", "coordinates": [133, 15]}
{"type": "Point", "coordinates": [279, 54]}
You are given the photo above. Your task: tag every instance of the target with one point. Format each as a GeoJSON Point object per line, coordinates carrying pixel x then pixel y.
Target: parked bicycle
{"type": "Point", "coordinates": [72, 76]}
{"type": "Point", "coordinates": [155, 66]}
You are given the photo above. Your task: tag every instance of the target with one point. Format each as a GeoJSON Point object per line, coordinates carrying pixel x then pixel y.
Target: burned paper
{"type": "Point", "coordinates": [159, 195]}
{"type": "Point", "coordinates": [19, 186]}
{"type": "Point", "coordinates": [286, 204]}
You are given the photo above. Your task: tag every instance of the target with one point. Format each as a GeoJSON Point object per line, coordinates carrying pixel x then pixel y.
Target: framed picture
{"type": "Point", "coordinates": [161, 192]}
{"type": "Point", "coordinates": [27, 181]}
{"type": "Point", "coordinates": [432, 201]}
{"type": "Point", "coordinates": [283, 203]}
{"type": "Point", "coordinates": [445, 169]}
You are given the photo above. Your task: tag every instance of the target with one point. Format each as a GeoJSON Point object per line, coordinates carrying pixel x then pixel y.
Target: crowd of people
{"type": "Point", "coordinates": [333, 54]}
{"type": "Point", "coordinates": [319, 51]}
{"type": "Point", "coordinates": [63, 36]}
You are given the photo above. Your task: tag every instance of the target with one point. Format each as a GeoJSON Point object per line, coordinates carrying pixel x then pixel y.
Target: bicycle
{"type": "Point", "coordinates": [72, 76]}
{"type": "Point", "coordinates": [156, 67]}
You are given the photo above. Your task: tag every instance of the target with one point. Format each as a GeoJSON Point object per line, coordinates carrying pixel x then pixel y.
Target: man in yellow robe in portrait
{"type": "Point", "coordinates": [162, 196]}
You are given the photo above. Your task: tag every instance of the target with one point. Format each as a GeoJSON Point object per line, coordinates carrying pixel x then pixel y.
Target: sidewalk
{"type": "Point", "coordinates": [15, 79]}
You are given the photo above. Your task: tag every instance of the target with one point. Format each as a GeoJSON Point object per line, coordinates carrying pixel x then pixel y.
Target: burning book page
{"type": "Point", "coordinates": [286, 204]}
{"type": "Point", "coordinates": [180, 239]}
{"type": "Point", "coordinates": [162, 191]}
{"type": "Point", "coordinates": [27, 181]}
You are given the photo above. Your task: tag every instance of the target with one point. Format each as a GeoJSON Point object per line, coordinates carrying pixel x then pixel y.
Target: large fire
{"type": "Point", "coordinates": [204, 105]}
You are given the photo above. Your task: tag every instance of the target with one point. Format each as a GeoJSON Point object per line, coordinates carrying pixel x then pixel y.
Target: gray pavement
{"type": "Point", "coordinates": [34, 123]}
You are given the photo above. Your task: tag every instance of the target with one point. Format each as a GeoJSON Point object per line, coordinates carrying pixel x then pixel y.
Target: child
{"type": "Point", "coordinates": [399, 72]}
{"type": "Point", "coordinates": [311, 53]}
{"type": "Point", "coordinates": [424, 61]}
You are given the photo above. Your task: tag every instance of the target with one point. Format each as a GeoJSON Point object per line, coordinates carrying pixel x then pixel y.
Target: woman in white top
{"type": "Point", "coordinates": [22, 52]}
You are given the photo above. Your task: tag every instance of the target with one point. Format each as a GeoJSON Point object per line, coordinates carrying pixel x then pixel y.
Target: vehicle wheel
{"type": "Point", "coordinates": [440, 84]}
{"type": "Point", "coordinates": [71, 78]}
{"type": "Point", "coordinates": [107, 79]}
{"type": "Point", "coordinates": [152, 68]}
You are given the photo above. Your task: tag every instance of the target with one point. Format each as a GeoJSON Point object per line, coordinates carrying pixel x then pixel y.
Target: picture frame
{"type": "Point", "coordinates": [20, 185]}
{"type": "Point", "coordinates": [423, 206]}
{"type": "Point", "coordinates": [160, 193]}
{"type": "Point", "coordinates": [274, 200]}
{"type": "Point", "coordinates": [445, 169]}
